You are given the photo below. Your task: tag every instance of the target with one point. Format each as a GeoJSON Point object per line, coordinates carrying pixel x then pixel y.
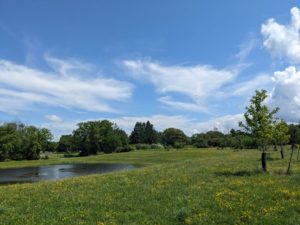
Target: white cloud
{"type": "Point", "coordinates": [222, 123]}
{"type": "Point", "coordinates": [198, 83]}
{"type": "Point", "coordinates": [286, 94]}
{"type": "Point", "coordinates": [188, 106]}
{"type": "Point", "coordinates": [19, 83]}
{"type": "Point", "coordinates": [283, 41]}
{"type": "Point", "coordinates": [54, 118]}
{"type": "Point", "coordinates": [260, 81]}
{"type": "Point", "coordinates": [246, 48]}
{"type": "Point", "coordinates": [70, 66]}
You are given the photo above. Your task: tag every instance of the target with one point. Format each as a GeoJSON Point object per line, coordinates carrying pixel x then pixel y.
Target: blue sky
{"type": "Point", "coordinates": [187, 64]}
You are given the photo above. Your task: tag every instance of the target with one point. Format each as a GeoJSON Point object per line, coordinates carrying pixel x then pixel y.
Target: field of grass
{"type": "Point", "coordinates": [190, 186]}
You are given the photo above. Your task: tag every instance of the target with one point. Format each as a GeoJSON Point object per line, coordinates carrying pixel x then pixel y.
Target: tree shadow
{"type": "Point", "coordinates": [241, 173]}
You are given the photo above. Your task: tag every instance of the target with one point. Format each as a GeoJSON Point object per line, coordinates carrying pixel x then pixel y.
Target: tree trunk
{"type": "Point", "coordinates": [264, 161]}
{"type": "Point", "coordinates": [281, 152]}
{"type": "Point", "coordinates": [289, 166]}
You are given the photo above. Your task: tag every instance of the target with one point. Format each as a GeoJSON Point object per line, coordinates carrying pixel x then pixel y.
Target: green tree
{"type": "Point", "coordinates": [281, 135]}
{"type": "Point", "coordinates": [143, 133]}
{"type": "Point", "coordinates": [18, 141]}
{"type": "Point", "coordinates": [33, 142]}
{"type": "Point", "coordinates": [45, 137]}
{"type": "Point", "coordinates": [8, 140]}
{"type": "Point", "coordinates": [259, 123]}
{"type": "Point", "coordinates": [199, 140]}
{"type": "Point", "coordinates": [121, 134]}
{"type": "Point", "coordinates": [294, 131]}
{"type": "Point", "coordinates": [173, 137]}
{"type": "Point", "coordinates": [150, 133]}
{"type": "Point", "coordinates": [137, 135]}
{"type": "Point", "coordinates": [65, 143]}
{"type": "Point", "coordinates": [98, 136]}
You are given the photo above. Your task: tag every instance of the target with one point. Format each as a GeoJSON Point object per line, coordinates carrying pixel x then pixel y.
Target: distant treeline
{"type": "Point", "coordinates": [18, 141]}
{"type": "Point", "coordinates": [236, 139]}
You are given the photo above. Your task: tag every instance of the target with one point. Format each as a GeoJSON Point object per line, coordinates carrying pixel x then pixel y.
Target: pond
{"type": "Point", "coordinates": [56, 172]}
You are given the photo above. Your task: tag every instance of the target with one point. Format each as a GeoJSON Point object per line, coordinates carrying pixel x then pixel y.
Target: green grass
{"type": "Point", "coordinates": [190, 186]}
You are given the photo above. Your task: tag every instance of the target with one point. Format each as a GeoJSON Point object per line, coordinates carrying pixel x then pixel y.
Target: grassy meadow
{"type": "Point", "coordinates": [189, 186]}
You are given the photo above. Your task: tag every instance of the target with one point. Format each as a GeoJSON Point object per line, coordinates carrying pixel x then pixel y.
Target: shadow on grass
{"type": "Point", "coordinates": [241, 173]}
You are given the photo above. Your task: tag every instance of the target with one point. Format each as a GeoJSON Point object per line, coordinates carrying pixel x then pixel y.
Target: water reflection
{"type": "Point", "coordinates": [55, 172]}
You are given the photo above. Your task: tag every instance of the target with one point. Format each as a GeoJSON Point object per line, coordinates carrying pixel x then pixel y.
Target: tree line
{"type": "Point", "coordinates": [261, 129]}
{"type": "Point", "coordinates": [93, 137]}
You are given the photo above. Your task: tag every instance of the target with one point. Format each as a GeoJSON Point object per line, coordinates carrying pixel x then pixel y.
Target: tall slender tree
{"type": "Point", "coordinates": [281, 135]}
{"type": "Point", "coordinates": [259, 123]}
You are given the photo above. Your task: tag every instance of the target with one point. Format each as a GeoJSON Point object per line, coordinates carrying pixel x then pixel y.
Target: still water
{"type": "Point", "coordinates": [56, 172]}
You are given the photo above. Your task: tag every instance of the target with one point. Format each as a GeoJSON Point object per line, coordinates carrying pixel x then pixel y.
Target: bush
{"type": "Point", "coordinates": [127, 148]}
{"type": "Point", "coordinates": [157, 146]}
{"type": "Point", "coordinates": [201, 143]}
{"type": "Point", "coordinates": [142, 146]}
{"type": "Point", "coordinates": [178, 145]}
{"type": "Point", "coordinates": [71, 154]}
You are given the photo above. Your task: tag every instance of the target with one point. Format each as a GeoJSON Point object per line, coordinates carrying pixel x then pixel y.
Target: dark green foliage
{"type": "Point", "coordinates": [157, 146]}
{"type": "Point", "coordinates": [98, 136]}
{"type": "Point", "coordinates": [110, 143]}
{"type": "Point", "coordinates": [18, 141]}
{"type": "Point", "coordinates": [178, 144]}
{"type": "Point", "coordinates": [150, 133]}
{"type": "Point", "coordinates": [294, 131]}
{"type": "Point", "coordinates": [143, 133]}
{"type": "Point", "coordinates": [122, 136]}
{"type": "Point", "coordinates": [215, 138]}
{"type": "Point", "coordinates": [199, 140]}
{"type": "Point", "coordinates": [127, 148]}
{"type": "Point", "coordinates": [236, 139]}
{"type": "Point", "coordinates": [142, 146]}
{"type": "Point", "coordinates": [174, 137]}
{"type": "Point", "coordinates": [65, 143]}
{"type": "Point", "coordinates": [136, 135]}
{"type": "Point", "coordinates": [52, 146]}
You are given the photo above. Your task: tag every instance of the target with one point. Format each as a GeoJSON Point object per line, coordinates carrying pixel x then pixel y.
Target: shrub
{"type": "Point", "coordinates": [201, 143]}
{"type": "Point", "coordinates": [142, 146]}
{"type": "Point", "coordinates": [70, 155]}
{"type": "Point", "coordinates": [157, 146]}
{"type": "Point", "coordinates": [178, 145]}
{"type": "Point", "coordinates": [127, 148]}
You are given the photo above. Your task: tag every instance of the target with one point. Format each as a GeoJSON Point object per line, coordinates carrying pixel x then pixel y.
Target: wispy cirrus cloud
{"type": "Point", "coordinates": [246, 48]}
{"type": "Point", "coordinates": [65, 86]}
{"type": "Point", "coordinates": [184, 106]}
{"type": "Point", "coordinates": [245, 88]}
{"type": "Point", "coordinates": [202, 86]}
{"type": "Point", "coordinates": [54, 118]}
{"type": "Point", "coordinates": [197, 83]}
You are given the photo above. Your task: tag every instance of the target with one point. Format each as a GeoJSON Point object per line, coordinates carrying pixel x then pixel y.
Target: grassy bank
{"type": "Point", "coordinates": [176, 187]}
